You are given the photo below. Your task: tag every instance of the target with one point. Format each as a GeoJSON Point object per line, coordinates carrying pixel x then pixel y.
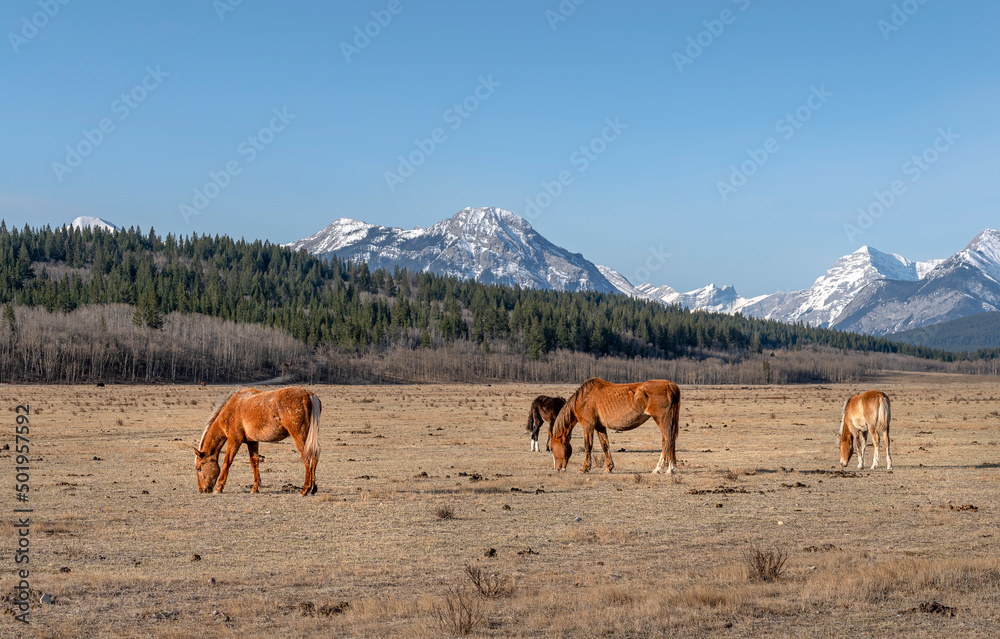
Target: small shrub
{"type": "Point", "coordinates": [731, 475]}
{"type": "Point", "coordinates": [764, 564]}
{"type": "Point", "coordinates": [491, 585]}
{"type": "Point", "coordinates": [445, 512]}
{"type": "Point", "coordinates": [458, 612]}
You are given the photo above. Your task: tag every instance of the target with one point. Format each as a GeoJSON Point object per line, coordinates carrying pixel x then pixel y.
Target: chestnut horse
{"type": "Point", "coordinates": [600, 405]}
{"type": "Point", "coordinates": [253, 416]}
{"type": "Point", "coordinates": [864, 413]}
{"type": "Point", "coordinates": [543, 409]}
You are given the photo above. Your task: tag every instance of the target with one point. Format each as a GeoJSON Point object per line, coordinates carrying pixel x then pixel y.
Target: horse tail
{"type": "Point", "coordinates": [883, 413]}
{"type": "Point", "coordinates": [312, 438]}
{"type": "Point", "coordinates": [674, 413]}
{"type": "Point", "coordinates": [533, 417]}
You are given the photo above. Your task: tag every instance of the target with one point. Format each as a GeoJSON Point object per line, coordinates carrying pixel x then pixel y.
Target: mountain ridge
{"type": "Point", "coordinates": [865, 291]}
{"type": "Point", "coordinates": [489, 245]}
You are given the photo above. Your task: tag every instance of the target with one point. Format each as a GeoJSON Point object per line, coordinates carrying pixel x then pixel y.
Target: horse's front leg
{"type": "Point", "coordinates": [232, 446]}
{"type": "Point", "coordinates": [588, 446]}
{"type": "Point", "coordinates": [602, 435]}
{"type": "Point", "coordinates": [860, 444]}
{"type": "Point", "coordinates": [252, 448]}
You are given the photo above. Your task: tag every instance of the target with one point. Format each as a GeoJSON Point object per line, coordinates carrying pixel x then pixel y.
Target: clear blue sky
{"type": "Point", "coordinates": [213, 83]}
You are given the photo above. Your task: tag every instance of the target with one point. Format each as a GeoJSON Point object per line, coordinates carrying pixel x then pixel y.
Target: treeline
{"type": "Point", "coordinates": [102, 344]}
{"type": "Point", "coordinates": [332, 306]}
{"type": "Point", "coordinates": [979, 333]}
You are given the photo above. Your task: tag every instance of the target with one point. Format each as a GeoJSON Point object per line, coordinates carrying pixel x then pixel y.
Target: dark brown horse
{"type": "Point", "coordinates": [600, 405]}
{"type": "Point", "coordinates": [864, 413]}
{"type": "Point", "coordinates": [543, 409]}
{"type": "Point", "coordinates": [252, 416]}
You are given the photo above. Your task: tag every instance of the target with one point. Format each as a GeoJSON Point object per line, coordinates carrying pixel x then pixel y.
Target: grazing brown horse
{"type": "Point", "coordinates": [600, 405]}
{"type": "Point", "coordinates": [543, 409]}
{"type": "Point", "coordinates": [253, 416]}
{"type": "Point", "coordinates": [864, 413]}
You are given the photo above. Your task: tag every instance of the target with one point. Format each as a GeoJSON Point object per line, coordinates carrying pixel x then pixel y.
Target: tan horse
{"type": "Point", "coordinates": [864, 413]}
{"type": "Point", "coordinates": [253, 416]}
{"type": "Point", "coordinates": [600, 405]}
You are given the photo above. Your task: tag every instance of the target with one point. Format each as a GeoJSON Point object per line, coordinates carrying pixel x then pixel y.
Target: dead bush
{"type": "Point", "coordinates": [459, 612]}
{"type": "Point", "coordinates": [764, 564]}
{"type": "Point", "coordinates": [444, 512]}
{"type": "Point", "coordinates": [489, 584]}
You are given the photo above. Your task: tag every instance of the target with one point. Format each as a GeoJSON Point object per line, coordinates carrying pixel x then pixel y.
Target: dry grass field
{"type": "Point", "coordinates": [427, 491]}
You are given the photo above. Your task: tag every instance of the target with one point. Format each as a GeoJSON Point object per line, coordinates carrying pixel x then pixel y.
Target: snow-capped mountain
{"type": "Point", "coordinates": [965, 284]}
{"type": "Point", "coordinates": [490, 245]}
{"type": "Point", "coordinates": [620, 282]}
{"type": "Point", "coordinates": [867, 291]}
{"type": "Point", "coordinates": [87, 222]}
{"type": "Point", "coordinates": [818, 305]}
{"type": "Point", "coordinates": [823, 302]}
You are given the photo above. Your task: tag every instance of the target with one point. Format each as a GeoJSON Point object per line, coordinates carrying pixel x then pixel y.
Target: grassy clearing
{"type": "Point", "coordinates": [420, 484]}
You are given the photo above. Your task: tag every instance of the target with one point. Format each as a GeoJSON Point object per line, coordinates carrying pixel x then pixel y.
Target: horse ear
{"type": "Point", "coordinates": [195, 449]}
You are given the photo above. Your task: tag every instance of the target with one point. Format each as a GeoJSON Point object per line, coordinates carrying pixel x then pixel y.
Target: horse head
{"type": "Point", "coordinates": [559, 445]}
{"type": "Point", "coordinates": [846, 441]}
{"type": "Point", "coordinates": [207, 467]}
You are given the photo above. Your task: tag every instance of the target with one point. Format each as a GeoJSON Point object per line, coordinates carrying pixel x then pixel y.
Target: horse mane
{"type": "Point", "coordinates": [219, 404]}
{"type": "Point", "coordinates": [562, 420]}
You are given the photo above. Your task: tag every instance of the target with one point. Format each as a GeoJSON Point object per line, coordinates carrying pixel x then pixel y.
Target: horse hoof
{"type": "Point", "coordinates": [313, 491]}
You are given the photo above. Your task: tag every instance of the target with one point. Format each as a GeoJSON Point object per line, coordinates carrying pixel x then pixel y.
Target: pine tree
{"type": "Point", "coordinates": [10, 318]}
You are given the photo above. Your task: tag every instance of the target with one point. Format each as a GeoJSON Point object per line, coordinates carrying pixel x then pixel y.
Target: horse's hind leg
{"type": "Point", "coordinates": [602, 435]}
{"type": "Point", "coordinates": [312, 474]}
{"type": "Point", "coordinates": [668, 456]}
{"type": "Point", "coordinates": [588, 446]}
{"type": "Point", "coordinates": [254, 463]}
{"type": "Point", "coordinates": [534, 426]}
{"type": "Point", "coordinates": [875, 441]}
{"type": "Point", "coordinates": [309, 484]}
{"type": "Point", "coordinates": [888, 457]}
{"type": "Point", "coordinates": [860, 444]}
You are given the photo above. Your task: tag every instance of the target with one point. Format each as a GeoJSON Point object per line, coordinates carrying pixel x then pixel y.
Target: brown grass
{"type": "Point", "coordinates": [626, 554]}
